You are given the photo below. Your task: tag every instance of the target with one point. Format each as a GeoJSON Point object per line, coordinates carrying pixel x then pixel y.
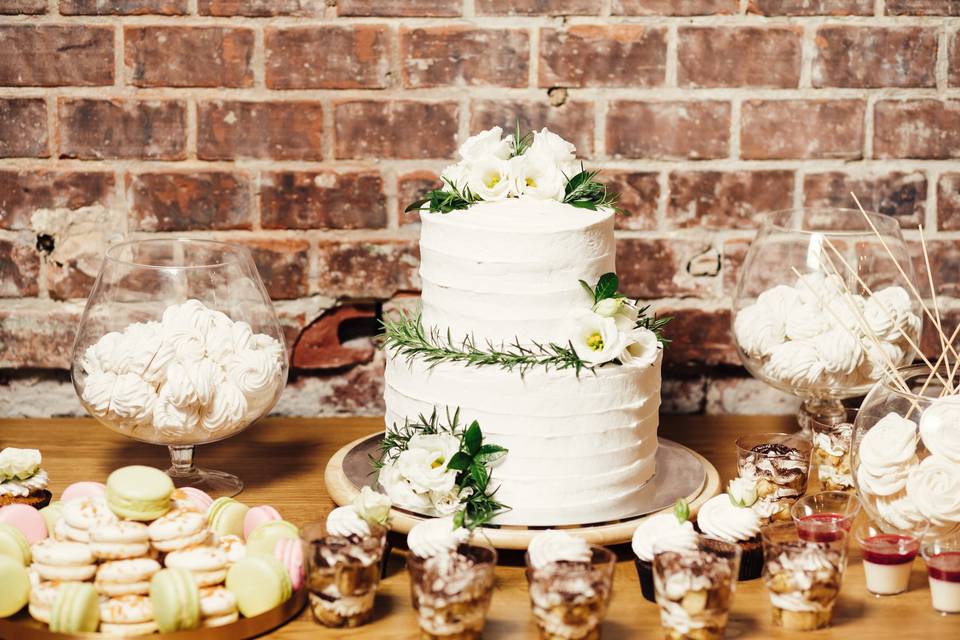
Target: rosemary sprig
{"type": "Point", "coordinates": [654, 324]}
{"type": "Point", "coordinates": [585, 192]}
{"type": "Point", "coordinates": [521, 142]}
{"type": "Point", "coordinates": [445, 200]}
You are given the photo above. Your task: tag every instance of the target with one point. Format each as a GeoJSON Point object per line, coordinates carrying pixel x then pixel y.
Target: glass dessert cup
{"type": "Point", "coordinates": [831, 452]}
{"type": "Point", "coordinates": [694, 588]}
{"type": "Point", "coordinates": [451, 592]}
{"type": "Point", "coordinates": [943, 570]}
{"type": "Point", "coordinates": [887, 558]}
{"type": "Point", "coordinates": [342, 574]}
{"type": "Point", "coordinates": [183, 375]}
{"type": "Point", "coordinates": [803, 577]}
{"type": "Point", "coordinates": [570, 599]}
{"type": "Point", "coordinates": [819, 515]}
{"type": "Point", "coordinates": [780, 463]}
{"type": "Point", "coordinates": [794, 334]}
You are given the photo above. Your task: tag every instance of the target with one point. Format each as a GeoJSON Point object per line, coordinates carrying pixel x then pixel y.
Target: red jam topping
{"type": "Point", "coordinates": [822, 527]}
{"type": "Point", "coordinates": [890, 549]}
{"type": "Point", "coordinates": [945, 566]}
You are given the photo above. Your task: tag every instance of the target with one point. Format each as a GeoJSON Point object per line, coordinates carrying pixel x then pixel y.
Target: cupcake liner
{"type": "Point", "coordinates": [751, 560]}
{"type": "Point", "coordinates": [645, 573]}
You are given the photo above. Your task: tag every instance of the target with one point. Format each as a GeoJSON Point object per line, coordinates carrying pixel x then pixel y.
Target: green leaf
{"type": "Point", "coordinates": [584, 204]}
{"type": "Point", "coordinates": [415, 206]}
{"type": "Point", "coordinates": [489, 453]}
{"type": "Point", "coordinates": [682, 510]}
{"type": "Point", "coordinates": [607, 286]}
{"type": "Point", "coordinates": [458, 518]}
{"type": "Point", "coordinates": [460, 461]}
{"type": "Point", "coordinates": [473, 438]}
{"type": "Point", "coordinates": [480, 477]}
{"type": "Point", "coordinates": [587, 288]}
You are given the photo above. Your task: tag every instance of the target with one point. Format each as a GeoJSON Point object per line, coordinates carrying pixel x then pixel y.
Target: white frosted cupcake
{"type": "Point", "coordinates": [737, 517]}
{"type": "Point", "coordinates": [671, 530]}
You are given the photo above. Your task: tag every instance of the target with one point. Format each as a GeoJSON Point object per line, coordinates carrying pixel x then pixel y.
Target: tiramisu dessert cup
{"type": "Point", "coordinates": [368, 508]}
{"type": "Point", "coordinates": [819, 514]}
{"type": "Point", "coordinates": [780, 465]}
{"type": "Point", "coordinates": [737, 517]}
{"type": "Point", "coordinates": [695, 587]}
{"type": "Point", "coordinates": [887, 558]}
{"type": "Point", "coordinates": [671, 530]}
{"type": "Point", "coordinates": [570, 584]}
{"type": "Point", "coordinates": [943, 569]}
{"type": "Point", "coordinates": [343, 573]}
{"type": "Point", "coordinates": [803, 577]}
{"type": "Point", "coordinates": [451, 581]}
{"type": "Point", "coordinates": [831, 452]}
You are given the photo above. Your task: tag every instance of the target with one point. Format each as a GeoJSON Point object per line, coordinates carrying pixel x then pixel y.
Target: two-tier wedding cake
{"type": "Point", "coordinates": [522, 330]}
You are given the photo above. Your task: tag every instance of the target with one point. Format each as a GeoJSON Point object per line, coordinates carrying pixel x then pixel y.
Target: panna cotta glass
{"type": "Point", "coordinates": [887, 559]}
{"type": "Point", "coordinates": [943, 569]}
{"type": "Point", "coordinates": [819, 515]}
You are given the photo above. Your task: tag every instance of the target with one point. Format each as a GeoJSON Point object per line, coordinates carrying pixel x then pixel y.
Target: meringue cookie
{"type": "Point", "coordinates": [934, 487]}
{"type": "Point", "coordinates": [940, 428]}
{"type": "Point", "coordinates": [797, 363]}
{"type": "Point", "coordinates": [227, 407]}
{"type": "Point", "coordinates": [97, 391]}
{"type": "Point", "coordinates": [805, 322]}
{"type": "Point", "coordinates": [136, 348]}
{"type": "Point", "coordinates": [99, 355]}
{"type": "Point", "coordinates": [818, 289]}
{"type": "Point", "coordinates": [899, 510]}
{"type": "Point", "coordinates": [173, 419]}
{"type": "Point", "coordinates": [133, 398]}
{"type": "Point", "coordinates": [759, 329]}
{"type": "Point", "coordinates": [779, 297]}
{"type": "Point", "coordinates": [839, 351]}
{"type": "Point", "coordinates": [887, 311]}
{"type": "Point", "coordinates": [557, 546]}
{"type": "Point", "coordinates": [255, 374]}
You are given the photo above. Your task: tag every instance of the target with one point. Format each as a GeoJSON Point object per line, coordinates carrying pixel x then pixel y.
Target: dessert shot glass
{"type": "Point", "coordinates": [831, 452]}
{"type": "Point", "coordinates": [803, 576]}
{"type": "Point", "coordinates": [694, 588]}
{"type": "Point", "coordinates": [780, 463]}
{"type": "Point", "coordinates": [887, 557]}
{"type": "Point", "coordinates": [570, 599]}
{"type": "Point", "coordinates": [943, 570]}
{"type": "Point", "coordinates": [343, 575]}
{"type": "Point", "coordinates": [451, 592]}
{"type": "Point", "coordinates": [821, 516]}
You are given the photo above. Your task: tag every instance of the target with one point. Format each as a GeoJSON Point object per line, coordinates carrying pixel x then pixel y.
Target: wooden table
{"type": "Point", "coordinates": [282, 463]}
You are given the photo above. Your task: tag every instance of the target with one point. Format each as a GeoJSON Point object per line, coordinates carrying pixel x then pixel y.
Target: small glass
{"type": "Point", "coordinates": [780, 463]}
{"type": "Point", "coordinates": [343, 575]}
{"type": "Point", "coordinates": [887, 558]}
{"type": "Point", "coordinates": [831, 451]}
{"type": "Point", "coordinates": [821, 515]}
{"type": "Point", "coordinates": [570, 599]}
{"type": "Point", "coordinates": [803, 576]}
{"type": "Point", "coordinates": [694, 588]}
{"type": "Point", "coordinates": [451, 592]}
{"type": "Point", "coordinates": [943, 569]}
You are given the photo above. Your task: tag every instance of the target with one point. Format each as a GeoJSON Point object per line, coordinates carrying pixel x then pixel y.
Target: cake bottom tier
{"type": "Point", "coordinates": [580, 449]}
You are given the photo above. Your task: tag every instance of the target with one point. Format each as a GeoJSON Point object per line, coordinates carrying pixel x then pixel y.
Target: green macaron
{"type": "Point", "coordinates": [225, 517]}
{"type": "Point", "coordinates": [16, 586]}
{"type": "Point", "coordinates": [264, 538]}
{"type": "Point", "coordinates": [139, 493]}
{"type": "Point", "coordinates": [14, 544]}
{"type": "Point", "coordinates": [259, 583]}
{"type": "Point", "coordinates": [175, 599]}
{"type": "Point", "coordinates": [51, 513]}
{"type": "Point", "coordinates": [76, 608]}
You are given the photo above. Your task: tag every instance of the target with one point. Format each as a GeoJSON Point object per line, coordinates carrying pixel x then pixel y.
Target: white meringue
{"type": "Point", "coordinates": [133, 399]}
{"type": "Point", "coordinates": [940, 428]}
{"type": "Point", "coordinates": [806, 321]}
{"type": "Point", "coordinates": [796, 362]}
{"type": "Point", "coordinates": [759, 329]}
{"type": "Point", "coordinates": [227, 407]}
{"type": "Point", "coordinates": [255, 373]}
{"type": "Point", "coordinates": [888, 311]}
{"type": "Point", "coordinates": [934, 487]}
{"type": "Point", "coordinates": [839, 351]}
{"type": "Point", "coordinates": [173, 419]}
{"type": "Point", "coordinates": [97, 391]}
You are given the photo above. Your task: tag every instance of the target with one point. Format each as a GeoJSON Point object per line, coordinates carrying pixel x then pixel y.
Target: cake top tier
{"type": "Point", "coordinates": [521, 215]}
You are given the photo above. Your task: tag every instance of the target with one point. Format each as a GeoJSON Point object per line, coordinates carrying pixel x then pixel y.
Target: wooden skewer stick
{"type": "Point", "coordinates": [936, 305]}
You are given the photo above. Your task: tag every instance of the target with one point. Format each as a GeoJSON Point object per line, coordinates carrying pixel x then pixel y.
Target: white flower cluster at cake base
{"type": "Point", "coordinates": [194, 371]}
{"type": "Point", "coordinates": [808, 335]}
{"type": "Point", "coordinates": [420, 477]}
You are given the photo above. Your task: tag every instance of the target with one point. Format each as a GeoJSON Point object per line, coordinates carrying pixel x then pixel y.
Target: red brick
{"type": "Point", "coordinates": [234, 129]}
{"type": "Point", "coordinates": [146, 129]}
{"type": "Point", "coordinates": [780, 129]}
{"type": "Point", "coordinates": [700, 336]}
{"type": "Point", "coordinates": [401, 8]}
{"type": "Point", "coordinates": [410, 188]}
{"type": "Point", "coordinates": [294, 58]}
{"type": "Point", "coordinates": [322, 200]}
{"type": "Point", "coordinates": [38, 334]}
{"type": "Point", "coordinates": [283, 264]}
{"type": "Point", "coordinates": [739, 56]}
{"type": "Point", "coordinates": [734, 253]}
{"type": "Point", "coordinates": [463, 56]}
{"type": "Point", "coordinates": [811, 7]}
{"type": "Point", "coordinates": [181, 201]}
{"type": "Point", "coordinates": [538, 7]}
{"type": "Point", "coordinates": [674, 7]}
{"type": "Point", "coordinates": [638, 192]}
{"type": "Point", "coordinates": [622, 55]}
{"type": "Point", "coordinates": [898, 194]}
{"type": "Point", "coordinates": [71, 276]}
{"type": "Point", "coordinates": [917, 129]}
{"type": "Point", "coordinates": [53, 56]}
{"type": "Point", "coordinates": [725, 200]}
{"type": "Point", "coordinates": [875, 58]}
{"type": "Point", "coordinates": [573, 119]}
{"type": "Point", "coordinates": [261, 8]}
{"type": "Point", "coordinates": [30, 7]}
{"type": "Point", "coordinates": [368, 269]}
{"type": "Point", "coordinates": [395, 129]}
{"type": "Point", "coordinates": [953, 60]}
{"type": "Point", "coordinates": [657, 268]}
{"type": "Point", "coordinates": [188, 56]}
{"type": "Point", "coordinates": [123, 7]}
{"type": "Point", "coordinates": [948, 202]}
{"type": "Point", "coordinates": [23, 128]}
{"type": "Point", "coordinates": [23, 192]}
{"type": "Point", "coordinates": [668, 130]}
{"type": "Point", "coordinates": [19, 266]}
{"type": "Point", "coordinates": [922, 8]}
{"type": "Point", "coordinates": [945, 260]}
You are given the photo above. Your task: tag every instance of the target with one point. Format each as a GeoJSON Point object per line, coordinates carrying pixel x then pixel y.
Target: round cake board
{"type": "Point", "coordinates": [349, 470]}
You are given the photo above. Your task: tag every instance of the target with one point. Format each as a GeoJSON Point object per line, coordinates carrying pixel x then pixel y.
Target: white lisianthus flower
{"type": "Point", "coordinates": [372, 506]}
{"type": "Point", "coordinates": [742, 491]}
{"type": "Point", "coordinates": [608, 307]}
{"type": "Point", "coordinates": [642, 347]}
{"type": "Point", "coordinates": [455, 174]}
{"type": "Point", "coordinates": [597, 339]}
{"type": "Point", "coordinates": [489, 178]}
{"type": "Point", "coordinates": [553, 147]}
{"type": "Point", "coordinates": [536, 175]}
{"type": "Point", "coordinates": [400, 490]}
{"type": "Point", "coordinates": [623, 311]}
{"type": "Point", "coordinates": [446, 503]}
{"type": "Point", "coordinates": [424, 463]}
{"type": "Point", "coordinates": [487, 143]}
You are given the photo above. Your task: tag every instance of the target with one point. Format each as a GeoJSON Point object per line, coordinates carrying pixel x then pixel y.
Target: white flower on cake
{"type": "Point", "coordinates": [486, 144]}
{"type": "Point", "coordinates": [489, 178]}
{"type": "Point", "coordinates": [424, 463]}
{"type": "Point", "coordinates": [535, 176]}
{"type": "Point", "coordinates": [598, 339]}
{"type": "Point", "coordinates": [373, 506]}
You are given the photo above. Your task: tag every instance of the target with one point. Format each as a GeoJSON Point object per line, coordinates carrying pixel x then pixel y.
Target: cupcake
{"type": "Point", "coordinates": [671, 530]}
{"type": "Point", "coordinates": [737, 517]}
{"type": "Point", "coordinates": [22, 481]}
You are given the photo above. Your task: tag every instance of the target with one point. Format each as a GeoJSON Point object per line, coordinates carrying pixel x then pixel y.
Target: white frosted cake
{"type": "Point", "coordinates": [581, 444]}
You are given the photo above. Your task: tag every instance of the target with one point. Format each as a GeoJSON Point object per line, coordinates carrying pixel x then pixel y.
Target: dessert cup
{"type": "Point", "coordinates": [887, 558]}
{"type": "Point", "coordinates": [831, 451]}
{"type": "Point", "coordinates": [780, 464]}
{"type": "Point", "coordinates": [671, 529]}
{"type": "Point", "coordinates": [342, 575]}
{"type": "Point", "coordinates": [694, 588]}
{"type": "Point", "coordinates": [570, 599]}
{"type": "Point", "coordinates": [803, 577]}
{"type": "Point", "coordinates": [943, 569]}
{"type": "Point", "coordinates": [451, 592]}
{"type": "Point", "coordinates": [819, 516]}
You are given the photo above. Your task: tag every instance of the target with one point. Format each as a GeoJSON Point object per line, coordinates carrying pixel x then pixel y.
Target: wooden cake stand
{"type": "Point", "coordinates": [690, 476]}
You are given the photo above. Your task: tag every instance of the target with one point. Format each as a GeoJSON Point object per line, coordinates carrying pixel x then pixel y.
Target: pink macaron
{"type": "Point", "coordinates": [290, 554]}
{"type": "Point", "coordinates": [257, 516]}
{"type": "Point", "coordinates": [27, 519]}
{"type": "Point", "coordinates": [197, 498]}
{"type": "Point", "coordinates": [85, 489]}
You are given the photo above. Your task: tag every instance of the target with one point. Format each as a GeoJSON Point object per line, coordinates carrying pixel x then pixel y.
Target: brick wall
{"type": "Point", "coordinates": [300, 127]}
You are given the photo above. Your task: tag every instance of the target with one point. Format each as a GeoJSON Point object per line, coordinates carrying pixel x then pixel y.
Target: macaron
{"type": "Point", "coordinates": [233, 547]}
{"type": "Point", "coordinates": [75, 608]}
{"type": "Point", "coordinates": [62, 561]}
{"type": "Point", "coordinates": [119, 540]}
{"type": "Point", "coordinates": [51, 513]}
{"type": "Point", "coordinates": [14, 544]}
{"type": "Point", "coordinates": [81, 514]}
{"type": "Point", "coordinates": [176, 600]}
{"type": "Point", "coordinates": [290, 554]}
{"type": "Point", "coordinates": [207, 564]}
{"type": "Point", "coordinates": [191, 498]}
{"type": "Point", "coordinates": [264, 538]}
{"type": "Point", "coordinates": [260, 583]}
{"type": "Point", "coordinates": [127, 616]}
{"type": "Point", "coordinates": [218, 606]}
{"type": "Point", "coordinates": [256, 516]}
{"type": "Point", "coordinates": [178, 529]}
{"type": "Point", "coordinates": [25, 518]}
{"type": "Point", "coordinates": [83, 489]}
{"type": "Point", "coordinates": [126, 577]}
{"type": "Point", "coordinates": [16, 586]}
{"type": "Point", "coordinates": [42, 596]}
{"type": "Point", "coordinates": [225, 517]}
{"type": "Point", "coordinates": [139, 493]}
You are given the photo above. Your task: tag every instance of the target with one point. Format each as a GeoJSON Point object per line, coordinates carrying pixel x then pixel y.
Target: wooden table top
{"type": "Point", "coordinates": [282, 463]}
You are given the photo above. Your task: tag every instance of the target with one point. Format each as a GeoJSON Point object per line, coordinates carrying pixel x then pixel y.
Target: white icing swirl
{"type": "Point", "coordinates": [188, 343]}
{"type": "Point", "coordinates": [665, 533]}
{"type": "Point", "coordinates": [346, 522]}
{"type": "Point", "coordinates": [99, 356]}
{"type": "Point", "coordinates": [940, 428]}
{"type": "Point", "coordinates": [934, 487]}
{"type": "Point", "coordinates": [720, 518]}
{"type": "Point", "coordinates": [886, 454]}
{"type": "Point", "coordinates": [226, 407]}
{"type": "Point", "coordinates": [557, 546]}
{"type": "Point", "coordinates": [19, 464]}
{"type": "Point", "coordinates": [133, 398]}
{"type": "Point", "coordinates": [97, 391]}
{"type": "Point", "coordinates": [255, 373]}
{"type": "Point", "coordinates": [171, 418]}
{"type": "Point", "coordinates": [435, 536]}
